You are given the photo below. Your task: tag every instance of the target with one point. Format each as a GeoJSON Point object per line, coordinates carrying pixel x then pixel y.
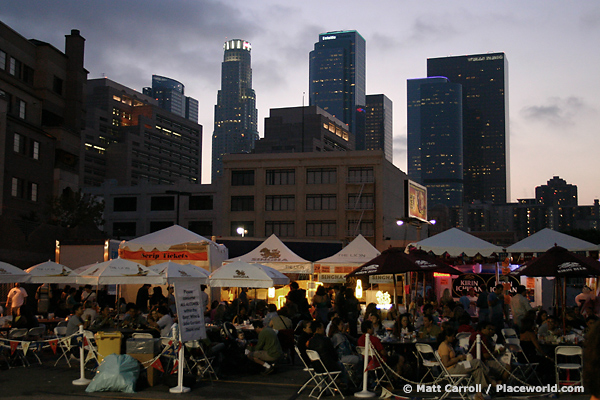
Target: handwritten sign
{"type": "Point", "coordinates": [190, 311]}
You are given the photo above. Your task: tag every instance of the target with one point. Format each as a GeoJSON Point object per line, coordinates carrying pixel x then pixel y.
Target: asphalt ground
{"type": "Point", "coordinates": [46, 382]}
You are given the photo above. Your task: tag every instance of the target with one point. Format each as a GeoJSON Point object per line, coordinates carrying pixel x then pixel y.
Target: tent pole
{"type": "Point", "coordinates": [395, 302]}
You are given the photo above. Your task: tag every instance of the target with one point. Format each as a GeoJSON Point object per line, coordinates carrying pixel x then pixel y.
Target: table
{"type": "Point", "coordinates": [50, 323]}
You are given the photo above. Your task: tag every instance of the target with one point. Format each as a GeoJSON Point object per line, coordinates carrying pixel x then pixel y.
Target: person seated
{"type": "Point", "coordinates": [540, 319]}
{"type": "Point", "coordinates": [403, 327]}
{"type": "Point", "coordinates": [489, 353]}
{"type": "Point", "coordinates": [464, 324]}
{"type": "Point", "coordinates": [19, 320]}
{"type": "Point", "coordinates": [589, 322]}
{"type": "Point", "coordinates": [89, 311]}
{"type": "Point", "coordinates": [281, 321]}
{"type": "Point", "coordinates": [323, 345]}
{"type": "Point", "coordinates": [574, 320]}
{"type": "Point", "coordinates": [103, 320]}
{"type": "Point", "coordinates": [163, 322]}
{"type": "Point", "coordinates": [367, 327]}
{"type": "Point", "coordinates": [550, 328]}
{"type": "Point", "coordinates": [133, 318]}
{"type": "Point", "coordinates": [75, 320]}
{"type": "Point", "coordinates": [268, 349]}
{"type": "Point", "coordinates": [455, 364]}
{"type": "Point", "coordinates": [270, 315]}
{"type": "Point", "coordinates": [378, 327]}
{"type": "Point", "coordinates": [242, 316]}
{"type": "Point", "coordinates": [427, 310]}
{"type": "Point", "coordinates": [341, 344]}
{"type": "Point", "coordinates": [429, 330]}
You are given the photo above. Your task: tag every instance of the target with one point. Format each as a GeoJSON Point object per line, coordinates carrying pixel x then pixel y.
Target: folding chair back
{"type": "Point", "coordinates": [63, 344]}
{"type": "Point", "coordinates": [427, 358]}
{"type": "Point", "coordinates": [522, 368]}
{"type": "Point", "coordinates": [307, 368]}
{"type": "Point", "coordinates": [509, 333]}
{"type": "Point", "coordinates": [572, 360]}
{"type": "Point", "coordinates": [36, 333]}
{"type": "Point", "coordinates": [454, 379]}
{"type": "Point", "coordinates": [19, 334]}
{"type": "Point", "coordinates": [325, 379]}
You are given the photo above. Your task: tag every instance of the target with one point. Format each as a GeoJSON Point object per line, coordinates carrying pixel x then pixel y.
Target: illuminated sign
{"type": "Point", "coordinates": [237, 44]}
{"type": "Point", "coordinates": [440, 275]}
{"type": "Point", "coordinates": [487, 58]}
{"type": "Point", "coordinates": [416, 203]}
{"type": "Point", "coordinates": [329, 37]}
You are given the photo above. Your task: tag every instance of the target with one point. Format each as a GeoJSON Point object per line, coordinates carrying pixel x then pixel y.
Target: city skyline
{"type": "Point", "coordinates": [552, 84]}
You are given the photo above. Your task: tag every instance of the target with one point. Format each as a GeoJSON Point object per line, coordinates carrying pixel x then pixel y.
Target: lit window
{"type": "Point", "coordinates": [35, 150]}
{"type": "Point", "coordinates": [22, 105]}
{"type": "Point", "coordinates": [34, 192]}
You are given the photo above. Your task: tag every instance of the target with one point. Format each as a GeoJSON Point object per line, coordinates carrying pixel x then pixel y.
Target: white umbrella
{"type": "Point", "coordinates": [119, 272]}
{"type": "Point", "coordinates": [278, 277]}
{"type": "Point", "coordinates": [243, 274]}
{"type": "Point", "coordinates": [173, 272]}
{"type": "Point", "coordinates": [11, 274]}
{"type": "Point", "coordinates": [51, 272]}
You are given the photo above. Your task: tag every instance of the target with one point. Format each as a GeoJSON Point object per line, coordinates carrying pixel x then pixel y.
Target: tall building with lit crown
{"type": "Point", "coordinates": [337, 79]}
{"type": "Point", "coordinates": [484, 80]}
{"type": "Point", "coordinates": [236, 116]}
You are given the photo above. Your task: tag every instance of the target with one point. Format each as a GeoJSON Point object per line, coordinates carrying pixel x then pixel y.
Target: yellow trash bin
{"type": "Point", "coordinates": [108, 343]}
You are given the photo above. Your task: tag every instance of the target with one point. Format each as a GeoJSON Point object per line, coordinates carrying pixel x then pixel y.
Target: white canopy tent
{"type": "Point", "coordinates": [173, 272]}
{"type": "Point", "coordinates": [11, 274]}
{"type": "Point", "coordinates": [51, 272]}
{"type": "Point", "coordinates": [456, 242]}
{"type": "Point", "coordinates": [273, 253]}
{"type": "Point", "coordinates": [335, 268]}
{"type": "Point", "coordinates": [241, 274]}
{"type": "Point", "coordinates": [547, 238]}
{"type": "Point", "coordinates": [119, 272]}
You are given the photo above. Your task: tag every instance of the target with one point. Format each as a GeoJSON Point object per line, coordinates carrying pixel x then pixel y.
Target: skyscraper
{"type": "Point", "coordinates": [484, 80]}
{"type": "Point", "coordinates": [235, 113]}
{"type": "Point", "coordinates": [435, 142]}
{"type": "Point", "coordinates": [170, 95]}
{"type": "Point", "coordinates": [379, 125]}
{"type": "Point", "coordinates": [337, 78]}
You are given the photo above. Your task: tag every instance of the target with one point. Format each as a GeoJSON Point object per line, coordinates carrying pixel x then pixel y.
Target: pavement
{"type": "Point", "coordinates": [46, 382]}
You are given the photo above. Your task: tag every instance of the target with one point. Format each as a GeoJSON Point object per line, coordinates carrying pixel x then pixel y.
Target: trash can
{"type": "Point", "coordinates": [108, 343]}
{"type": "Point", "coordinates": [144, 350]}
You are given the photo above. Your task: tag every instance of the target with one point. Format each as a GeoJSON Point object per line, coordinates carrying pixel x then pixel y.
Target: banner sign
{"type": "Point", "coordinates": [377, 279]}
{"type": "Point", "coordinates": [332, 278]}
{"type": "Point", "coordinates": [190, 311]}
{"type": "Point", "coordinates": [162, 255]}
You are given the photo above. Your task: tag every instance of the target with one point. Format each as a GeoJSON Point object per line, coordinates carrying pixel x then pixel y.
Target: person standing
{"type": "Point", "coordinates": [322, 303]}
{"type": "Point", "coordinates": [16, 298]}
{"type": "Point", "coordinates": [496, 305]}
{"type": "Point", "coordinates": [298, 297]}
{"type": "Point", "coordinates": [141, 300]}
{"type": "Point", "coordinates": [519, 305]}
{"type": "Point", "coordinates": [351, 312]}
{"type": "Point", "coordinates": [483, 306]}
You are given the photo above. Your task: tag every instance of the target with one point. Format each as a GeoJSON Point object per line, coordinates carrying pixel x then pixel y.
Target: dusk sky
{"type": "Point", "coordinates": [552, 49]}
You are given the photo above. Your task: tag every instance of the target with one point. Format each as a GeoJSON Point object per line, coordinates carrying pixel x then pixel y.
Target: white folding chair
{"type": "Point", "coordinates": [568, 354]}
{"type": "Point", "coordinates": [453, 379]}
{"type": "Point", "coordinates": [463, 340]}
{"type": "Point", "coordinates": [19, 335]}
{"type": "Point", "coordinates": [522, 368]}
{"type": "Point", "coordinates": [428, 360]}
{"type": "Point", "coordinates": [35, 334]}
{"type": "Point", "coordinates": [326, 379]}
{"type": "Point", "coordinates": [90, 346]}
{"type": "Point", "coordinates": [63, 344]}
{"type": "Point", "coordinates": [201, 362]}
{"type": "Point", "coordinates": [307, 368]}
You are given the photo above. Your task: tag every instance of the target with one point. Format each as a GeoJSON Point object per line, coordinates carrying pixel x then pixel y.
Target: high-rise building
{"type": "Point", "coordinates": [236, 116]}
{"type": "Point", "coordinates": [337, 79]}
{"type": "Point", "coordinates": [484, 80]}
{"type": "Point", "coordinates": [303, 129]}
{"type": "Point", "coordinates": [170, 95]}
{"type": "Point", "coordinates": [557, 192]}
{"type": "Point", "coordinates": [379, 125]}
{"type": "Point", "coordinates": [435, 141]}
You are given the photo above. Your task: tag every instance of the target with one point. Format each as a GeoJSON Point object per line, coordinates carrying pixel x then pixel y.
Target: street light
{"type": "Point", "coordinates": [416, 222]}
{"type": "Point", "coordinates": [241, 231]}
{"type": "Point", "coordinates": [178, 193]}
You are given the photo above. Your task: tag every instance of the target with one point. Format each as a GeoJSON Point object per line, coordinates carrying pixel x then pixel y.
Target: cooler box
{"type": "Point", "coordinates": [108, 343]}
{"type": "Point", "coordinates": [144, 350]}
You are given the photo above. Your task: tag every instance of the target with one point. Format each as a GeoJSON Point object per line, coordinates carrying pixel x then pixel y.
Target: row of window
{"type": "Point", "coordinates": [313, 176]}
{"type": "Point", "coordinates": [163, 203]}
{"type": "Point", "coordinates": [313, 228]}
{"type": "Point", "coordinates": [356, 201]}
{"type": "Point", "coordinates": [203, 228]}
{"type": "Point", "coordinates": [26, 146]}
{"type": "Point", "coordinates": [16, 107]}
{"type": "Point", "coordinates": [22, 189]}
{"type": "Point", "coordinates": [16, 68]}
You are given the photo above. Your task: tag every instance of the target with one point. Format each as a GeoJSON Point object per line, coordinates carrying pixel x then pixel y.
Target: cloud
{"type": "Point", "coordinates": [556, 111]}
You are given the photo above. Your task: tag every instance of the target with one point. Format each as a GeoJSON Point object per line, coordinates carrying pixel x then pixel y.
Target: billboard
{"type": "Point", "coordinates": [416, 201]}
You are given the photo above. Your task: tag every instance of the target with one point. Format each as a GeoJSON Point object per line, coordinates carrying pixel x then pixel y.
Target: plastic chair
{"type": "Point", "coordinates": [428, 360]}
{"type": "Point", "coordinates": [63, 344]}
{"type": "Point", "coordinates": [453, 379]}
{"type": "Point", "coordinates": [570, 353]}
{"type": "Point", "coordinates": [325, 379]}
{"type": "Point", "coordinates": [307, 368]}
{"type": "Point", "coordinates": [19, 335]}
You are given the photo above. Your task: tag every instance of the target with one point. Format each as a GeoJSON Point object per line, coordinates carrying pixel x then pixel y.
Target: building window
{"type": "Point", "coordinates": [158, 225]}
{"type": "Point", "coordinates": [203, 228]}
{"type": "Point", "coordinates": [360, 175]}
{"type": "Point", "coordinates": [279, 228]}
{"type": "Point", "coordinates": [19, 143]}
{"type": "Point", "coordinates": [321, 228]}
{"type": "Point", "coordinates": [364, 227]}
{"type": "Point", "coordinates": [281, 177]}
{"type": "Point", "coordinates": [202, 202]}
{"type": "Point", "coordinates": [321, 176]}
{"type": "Point", "coordinates": [33, 191]}
{"type": "Point", "coordinates": [124, 229]}
{"type": "Point", "coordinates": [22, 105]}
{"type": "Point", "coordinates": [321, 202]}
{"type": "Point", "coordinates": [242, 178]}
{"type": "Point", "coordinates": [57, 85]}
{"type": "Point", "coordinates": [246, 226]}
{"type": "Point", "coordinates": [2, 60]}
{"type": "Point", "coordinates": [357, 201]}
{"type": "Point", "coordinates": [242, 203]}
{"type": "Point", "coordinates": [35, 150]}
{"type": "Point", "coordinates": [17, 187]}
{"type": "Point", "coordinates": [280, 203]}
{"type": "Point", "coordinates": [162, 203]}
{"type": "Point", "coordinates": [122, 204]}
{"type": "Point", "coordinates": [12, 69]}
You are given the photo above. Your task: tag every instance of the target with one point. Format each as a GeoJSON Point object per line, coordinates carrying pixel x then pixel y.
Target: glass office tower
{"type": "Point", "coordinates": [236, 116]}
{"type": "Point", "coordinates": [435, 144]}
{"type": "Point", "coordinates": [337, 79]}
{"type": "Point", "coordinates": [379, 125]}
{"type": "Point", "coordinates": [170, 95]}
{"type": "Point", "coordinates": [484, 80]}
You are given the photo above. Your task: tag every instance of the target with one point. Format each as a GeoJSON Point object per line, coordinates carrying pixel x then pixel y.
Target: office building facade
{"type": "Point", "coordinates": [379, 128]}
{"type": "Point", "coordinates": [129, 138]}
{"type": "Point", "coordinates": [435, 139]}
{"type": "Point", "coordinates": [170, 95]}
{"type": "Point", "coordinates": [236, 117]}
{"type": "Point", "coordinates": [484, 80]}
{"type": "Point", "coordinates": [337, 79]}
{"type": "Point", "coordinates": [303, 129]}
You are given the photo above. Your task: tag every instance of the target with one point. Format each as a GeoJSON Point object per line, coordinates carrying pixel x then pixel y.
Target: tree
{"type": "Point", "coordinates": [72, 209]}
